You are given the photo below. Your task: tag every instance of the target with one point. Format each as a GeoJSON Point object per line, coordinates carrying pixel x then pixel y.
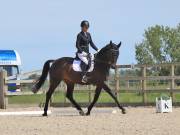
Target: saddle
{"type": "Point", "coordinates": [79, 66]}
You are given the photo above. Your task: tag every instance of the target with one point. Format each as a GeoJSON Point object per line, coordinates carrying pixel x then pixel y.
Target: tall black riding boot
{"type": "Point", "coordinates": [85, 77]}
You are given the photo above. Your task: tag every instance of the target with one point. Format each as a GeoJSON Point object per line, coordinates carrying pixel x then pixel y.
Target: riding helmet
{"type": "Point", "coordinates": [85, 23]}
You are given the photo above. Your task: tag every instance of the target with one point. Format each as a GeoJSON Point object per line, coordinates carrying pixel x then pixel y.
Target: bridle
{"type": "Point", "coordinates": [103, 61]}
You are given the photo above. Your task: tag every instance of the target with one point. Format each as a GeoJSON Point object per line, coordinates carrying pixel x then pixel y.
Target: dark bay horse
{"type": "Point", "coordinates": [61, 70]}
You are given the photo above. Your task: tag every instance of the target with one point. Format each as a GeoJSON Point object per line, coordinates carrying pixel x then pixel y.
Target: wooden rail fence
{"type": "Point", "coordinates": [144, 90]}
{"type": "Point", "coordinates": [144, 78]}
{"type": "Point", "coordinates": [4, 88]}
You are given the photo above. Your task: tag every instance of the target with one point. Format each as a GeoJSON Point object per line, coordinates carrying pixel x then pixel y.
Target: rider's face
{"type": "Point", "coordinates": [85, 29]}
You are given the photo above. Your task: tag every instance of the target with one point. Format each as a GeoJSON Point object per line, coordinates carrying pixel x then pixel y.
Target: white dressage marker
{"type": "Point", "coordinates": [23, 113]}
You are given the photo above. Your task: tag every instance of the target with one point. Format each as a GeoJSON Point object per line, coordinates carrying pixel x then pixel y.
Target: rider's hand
{"type": "Point", "coordinates": [84, 53]}
{"type": "Point", "coordinates": [89, 54]}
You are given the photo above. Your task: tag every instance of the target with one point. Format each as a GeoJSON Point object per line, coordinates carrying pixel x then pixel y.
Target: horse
{"type": "Point", "coordinates": [62, 70]}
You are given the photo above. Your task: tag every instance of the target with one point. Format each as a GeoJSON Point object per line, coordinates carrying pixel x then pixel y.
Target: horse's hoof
{"type": "Point", "coordinates": [34, 89]}
{"type": "Point", "coordinates": [81, 113]}
{"type": "Point", "coordinates": [44, 114]}
{"type": "Point", "coordinates": [123, 111]}
{"type": "Point", "coordinates": [88, 114]}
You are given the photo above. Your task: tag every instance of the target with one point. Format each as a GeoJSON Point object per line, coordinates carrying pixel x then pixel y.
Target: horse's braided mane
{"type": "Point", "coordinates": [101, 61]}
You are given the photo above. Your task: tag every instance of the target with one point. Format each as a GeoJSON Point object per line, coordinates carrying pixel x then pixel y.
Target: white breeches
{"type": "Point", "coordinates": [83, 57]}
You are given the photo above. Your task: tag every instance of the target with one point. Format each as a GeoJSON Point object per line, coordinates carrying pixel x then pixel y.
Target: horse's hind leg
{"type": "Point", "coordinates": [69, 95]}
{"type": "Point", "coordinates": [53, 85]}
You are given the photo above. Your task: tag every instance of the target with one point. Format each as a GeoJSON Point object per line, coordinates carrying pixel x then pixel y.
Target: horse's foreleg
{"type": "Point", "coordinates": [97, 93]}
{"type": "Point", "coordinates": [109, 91]}
{"type": "Point", "coordinates": [52, 87]}
{"type": "Point", "coordinates": [69, 95]}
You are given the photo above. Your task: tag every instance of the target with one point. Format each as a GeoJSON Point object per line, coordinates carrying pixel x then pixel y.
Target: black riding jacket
{"type": "Point", "coordinates": [83, 41]}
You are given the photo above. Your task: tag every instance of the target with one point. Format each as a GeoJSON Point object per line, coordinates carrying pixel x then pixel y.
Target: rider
{"type": "Point", "coordinates": [82, 44]}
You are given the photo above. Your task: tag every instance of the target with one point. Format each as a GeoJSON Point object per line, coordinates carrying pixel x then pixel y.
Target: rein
{"type": "Point", "coordinates": [102, 61]}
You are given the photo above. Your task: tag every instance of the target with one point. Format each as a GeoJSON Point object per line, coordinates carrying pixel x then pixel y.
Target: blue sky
{"type": "Point", "coordinates": [46, 29]}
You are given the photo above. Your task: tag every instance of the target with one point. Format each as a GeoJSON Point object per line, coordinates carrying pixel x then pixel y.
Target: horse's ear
{"type": "Point", "coordinates": [110, 42]}
{"type": "Point", "coordinates": [119, 45]}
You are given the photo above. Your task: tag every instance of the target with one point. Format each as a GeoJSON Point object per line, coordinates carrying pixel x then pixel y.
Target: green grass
{"type": "Point", "coordinates": [151, 97]}
{"type": "Point", "coordinates": [84, 97]}
{"type": "Point", "coordinates": [130, 97]}
{"type": "Point", "coordinates": [177, 97]}
{"type": "Point", "coordinates": [33, 99]}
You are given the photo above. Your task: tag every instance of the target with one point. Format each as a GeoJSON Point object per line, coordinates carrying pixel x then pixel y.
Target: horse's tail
{"type": "Point", "coordinates": [43, 77]}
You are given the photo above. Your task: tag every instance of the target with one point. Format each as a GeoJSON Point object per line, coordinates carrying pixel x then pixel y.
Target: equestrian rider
{"type": "Point", "coordinates": [82, 45]}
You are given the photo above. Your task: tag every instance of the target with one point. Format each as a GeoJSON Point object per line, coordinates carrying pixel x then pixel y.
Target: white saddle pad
{"type": "Point", "coordinates": [77, 67]}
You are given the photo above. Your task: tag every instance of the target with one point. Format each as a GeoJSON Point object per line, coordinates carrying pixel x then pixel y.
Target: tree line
{"type": "Point", "coordinates": [160, 44]}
